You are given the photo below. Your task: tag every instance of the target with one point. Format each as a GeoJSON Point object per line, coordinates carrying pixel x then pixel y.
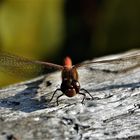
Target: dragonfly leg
{"type": "Point", "coordinates": [58, 98]}
{"type": "Point", "coordinates": [54, 93]}
{"type": "Point", "coordinates": [87, 92]}
{"type": "Point", "coordinates": [83, 97]}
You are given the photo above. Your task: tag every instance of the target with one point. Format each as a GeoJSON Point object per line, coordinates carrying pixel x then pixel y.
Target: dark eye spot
{"type": "Point", "coordinates": [48, 83]}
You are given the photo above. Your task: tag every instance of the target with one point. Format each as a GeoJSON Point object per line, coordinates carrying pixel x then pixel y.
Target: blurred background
{"type": "Point", "coordinates": [49, 30]}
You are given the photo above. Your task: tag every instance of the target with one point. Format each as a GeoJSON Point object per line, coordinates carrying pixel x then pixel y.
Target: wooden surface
{"type": "Point", "coordinates": [26, 114]}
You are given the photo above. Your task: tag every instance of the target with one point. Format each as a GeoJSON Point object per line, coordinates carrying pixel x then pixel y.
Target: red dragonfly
{"type": "Point", "coordinates": [70, 85]}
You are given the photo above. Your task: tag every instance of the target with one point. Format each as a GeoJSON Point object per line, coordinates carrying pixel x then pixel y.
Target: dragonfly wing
{"type": "Point", "coordinates": [105, 70]}
{"type": "Point", "coordinates": [97, 75]}
{"type": "Point", "coordinates": [122, 64]}
{"type": "Point", "coordinates": [24, 67]}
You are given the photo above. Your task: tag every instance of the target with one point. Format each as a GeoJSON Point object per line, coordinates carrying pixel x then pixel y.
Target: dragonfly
{"type": "Point", "coordinates": [70, 85]}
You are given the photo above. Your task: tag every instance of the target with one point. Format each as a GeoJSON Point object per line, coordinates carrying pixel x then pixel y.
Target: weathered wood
{"type": "Point", "coordinates": [25, 111]}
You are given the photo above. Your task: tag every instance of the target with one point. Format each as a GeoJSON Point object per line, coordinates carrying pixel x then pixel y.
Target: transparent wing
{"type": "Point", "coordinates": [104, 70]}
{"type": "Point", "coordinates": [24, 67]}
{"type": "Point", "coordinates": [118, 65]}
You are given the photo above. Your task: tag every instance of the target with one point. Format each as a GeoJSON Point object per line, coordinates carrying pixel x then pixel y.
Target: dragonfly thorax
{"type": "Point", "coordinates": [70, 85]}
{"type": "Point", "coordinates": [69, 74]}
